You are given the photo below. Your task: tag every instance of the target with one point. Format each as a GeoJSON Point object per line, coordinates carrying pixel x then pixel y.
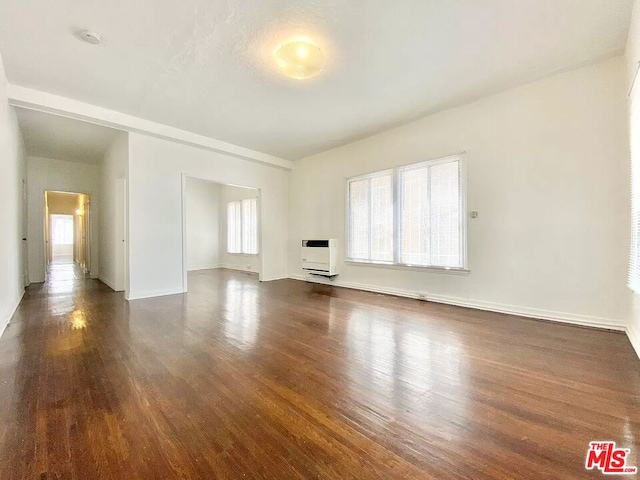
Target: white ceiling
{"type": "Point", "coordinates": [60, 138]}
{"type": "Point", "coordinates": [206, 65]}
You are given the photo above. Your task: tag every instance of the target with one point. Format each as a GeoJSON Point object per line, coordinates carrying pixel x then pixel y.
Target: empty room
{"type": "Point", "coordinates": [288, 239]}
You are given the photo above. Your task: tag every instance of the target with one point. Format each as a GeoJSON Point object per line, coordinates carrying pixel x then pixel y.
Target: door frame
{"type": "Point", "coordinates": [184, 222]}
{"type": "Point", "coordinates": [46, 226]}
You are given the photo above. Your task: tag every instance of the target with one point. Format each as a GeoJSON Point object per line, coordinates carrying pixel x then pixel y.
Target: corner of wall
{"type": "Point", "coordinates": [5, 319]}
{"type": "Point", "coordinates": [634, 337]}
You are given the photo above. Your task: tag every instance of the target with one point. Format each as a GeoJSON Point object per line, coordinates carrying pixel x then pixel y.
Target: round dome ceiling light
{"type": "Point", "coordinates": [90, 37]}
{"type": "Point", "coordinates": [300, 59]}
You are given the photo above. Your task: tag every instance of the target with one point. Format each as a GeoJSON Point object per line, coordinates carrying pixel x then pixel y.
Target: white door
{"type": "Point", "coordinates": [25, 255]}
{"type": "Point", "coordinates": [121, 234]}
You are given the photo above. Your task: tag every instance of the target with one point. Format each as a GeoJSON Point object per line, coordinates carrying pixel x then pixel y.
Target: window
{"type": "Point", "coordinates": [413, 215]}
{"type": "Point", "coordinates": [62, 229]}
{"type": "Point", "coordinates": [242, 226]}
{"type": "Point", "coordinates": [634, 258]}
{"type": "Point", "coordinates": [250, 226]}
{"type": "Point", "coordinates": [234, 227]}
{"type": "Point", "coordinates": [371, 217]}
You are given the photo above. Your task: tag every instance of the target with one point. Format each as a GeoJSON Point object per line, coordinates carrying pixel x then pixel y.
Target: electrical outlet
{"type": "Point", "coordinates": [474, 214]}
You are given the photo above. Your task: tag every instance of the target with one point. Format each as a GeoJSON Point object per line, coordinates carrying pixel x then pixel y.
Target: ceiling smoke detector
{"type": "Point", "coordinates": [90, 37]}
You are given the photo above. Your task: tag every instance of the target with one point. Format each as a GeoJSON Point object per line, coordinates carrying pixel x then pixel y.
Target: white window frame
{"type": "Point", "coordinates": [368, 176]}
{"type": "Point", "coordinates": [242, 230]}
{"type": "Point", "coordinates": [397, 205]}
{"type": "Point", "coordinates": [633, 280]}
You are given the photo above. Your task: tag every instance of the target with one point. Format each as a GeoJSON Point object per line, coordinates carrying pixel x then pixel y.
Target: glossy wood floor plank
{"type": "Point", "coordinates": [286, 379]}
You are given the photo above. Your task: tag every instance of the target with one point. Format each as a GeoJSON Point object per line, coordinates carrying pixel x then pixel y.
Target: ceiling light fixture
{"type": "Point", "coordinates": [90, 37]}
{"type": "Point", "coordinates": [300, 59]}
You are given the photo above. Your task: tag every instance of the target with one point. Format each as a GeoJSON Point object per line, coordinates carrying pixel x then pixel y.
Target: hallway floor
{"type": "Point", "coordinates": [286, 379]}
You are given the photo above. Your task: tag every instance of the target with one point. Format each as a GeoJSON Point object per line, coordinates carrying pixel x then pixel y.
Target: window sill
{"type": "Point", "coordinates": [243, 254]}
{"type": "Point", "coordinates": [417, 268]}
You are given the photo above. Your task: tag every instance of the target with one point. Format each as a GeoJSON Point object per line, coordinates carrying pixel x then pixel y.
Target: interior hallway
{"type": "Point", "coordinates": [286, 379]}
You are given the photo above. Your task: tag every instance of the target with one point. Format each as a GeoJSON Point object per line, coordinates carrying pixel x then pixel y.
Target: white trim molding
{"type": "Point", "coordinates": [32, 99]}
{"type": "Point", "coordinates": [108, 283]}
{"type": "Point", "coordinates": [634, 337]}
{"type": "Point", "coordinates": [7, 315]}
{"type": "Point", "coordinates": [536, 313]}
{"type": "Point", "coordinates": [203, 267]}
{"type": "Point", "coordinates": [153, 293]}
{"type": "Point", "coordinates": [239, 268]}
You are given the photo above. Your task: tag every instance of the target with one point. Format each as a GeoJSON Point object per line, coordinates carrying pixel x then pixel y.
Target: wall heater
{"type": "Point", "coordinates": [319, 257]}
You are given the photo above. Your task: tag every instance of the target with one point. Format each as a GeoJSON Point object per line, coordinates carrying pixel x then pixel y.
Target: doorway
{"type": "Point", "coordinates": [68, 231]}
{"type": "Point", "coordinates": [221, 227]}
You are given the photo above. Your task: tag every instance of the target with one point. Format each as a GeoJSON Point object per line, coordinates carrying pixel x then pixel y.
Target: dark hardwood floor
{"type": "Point", "coordinates": [288, 380]}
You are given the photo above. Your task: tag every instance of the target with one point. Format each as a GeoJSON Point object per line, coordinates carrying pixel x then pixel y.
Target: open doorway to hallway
{"type": "Point", "coordinates": [68, 230]}
{"type": "Point", "coordinates": [221, 227]}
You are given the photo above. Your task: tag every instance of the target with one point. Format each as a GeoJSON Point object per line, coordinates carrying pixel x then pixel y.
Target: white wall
{"type": "Point", "coordinates": [113, 172]}
{"type": "Point", "coordinates": [155, 209]}
{"type": "Point", "coordinates": [235, 261]}
{"type": "Point", "coordinates": [632, 56]}
{"type": "Point", "coordinates": [203, 224]}
{"type": "Point", "coordinates": [632, 53]}
{"type": "Point", "coordinates": [57, 175]}
{"type": "Point", "coordinates": [12, 174]}
{"type": "Point", "coordinates": [548, 171]}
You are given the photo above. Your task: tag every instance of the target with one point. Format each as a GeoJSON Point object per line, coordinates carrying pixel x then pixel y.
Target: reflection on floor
{"type": "Point", "coordinates": [64, 276]}
{"type": "Point", "coordinates": [285, 379]}
{"type": "Point", "coordinates": [59, 259]}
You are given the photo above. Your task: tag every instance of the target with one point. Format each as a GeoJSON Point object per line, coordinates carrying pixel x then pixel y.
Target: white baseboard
{"type": "Point", "coordinates": [563, 317]}
{"type": "Point", "coordinates": [204, 267]}
{"type": "Point", "coordinates": [240, 268]}
{"type": "Point", "coordinates": [153, 293]}
{"type": "Point", "coordinates": [107, 282]}
{"type": "Point", "coordinates": [634, 337]}
{"type": "Point", "coordinates": [8, 313]}
{"type": "Point", "coordinates": [271, 279]}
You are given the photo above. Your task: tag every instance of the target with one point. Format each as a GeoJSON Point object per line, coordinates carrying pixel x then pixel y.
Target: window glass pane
{"type": "Point", "coordinates": [634, 260]}
{"type": "Point", "coordinates": [250, 226]}
{"type": "Point", "coordinates": [445, 215]}
{"type": "Point", "coordinates": [359, 219]}
{"type": "Point", "coordinates": [62, 229]}
{"type": "Point", "coordinates": [414, 218]}
{"type": "Point", "coordinates": [381, 198]}
{"type": "Point", "coordinates": [428, 199]}
{"type": "Point", "coordinates": [234, 226]}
